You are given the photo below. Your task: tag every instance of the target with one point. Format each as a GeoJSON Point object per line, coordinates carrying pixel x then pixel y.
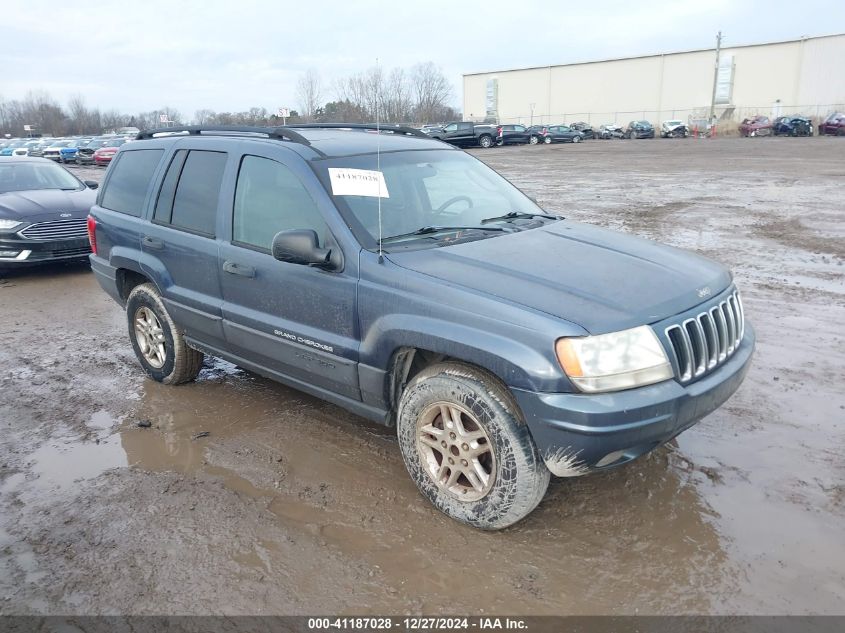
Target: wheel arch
{"type": "Point", "coordinates": [401, 353]}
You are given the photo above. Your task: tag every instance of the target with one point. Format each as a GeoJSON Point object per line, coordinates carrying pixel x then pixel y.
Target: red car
{"type": "Point", "coordinates": [756, 126]}
{"type": "Point", "coordinates": [834, 124]}
{"type": "Point", "coordinates": [103, 155]}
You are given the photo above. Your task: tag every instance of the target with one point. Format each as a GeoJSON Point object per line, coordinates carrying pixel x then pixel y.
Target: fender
{"type": "Point", "coordinates": [136, 260]}
{"type": "Point", "coordinates": [527, 364]}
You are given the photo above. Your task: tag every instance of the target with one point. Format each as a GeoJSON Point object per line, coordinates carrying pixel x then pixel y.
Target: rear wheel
{"type": "Point", "coordinates": [485, 141]}
{"type": "Point", "coordinates": [467, 447]}
{"type": "Point", "coordinates": [576, 139]}
{"type": "Point", "coordinates": [158, 343]}
{"type": "Point", "coordinates": [533, 140]}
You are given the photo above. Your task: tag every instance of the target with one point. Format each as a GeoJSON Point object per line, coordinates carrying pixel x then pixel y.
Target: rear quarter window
{"type": "Point", "coordinates": [130, 177]}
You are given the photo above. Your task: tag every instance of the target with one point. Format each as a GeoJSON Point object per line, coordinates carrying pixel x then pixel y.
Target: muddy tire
{"type": "Point", "coordinates": [158, 343]}
{"type": "Point", "coordinates": [452, 411]}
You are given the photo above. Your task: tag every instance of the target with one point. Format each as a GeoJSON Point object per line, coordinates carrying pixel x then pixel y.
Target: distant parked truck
{"type": "Point", "coordinates": [640, 129]}
{"type": "Point", "coordinates": [792, 126]}
{"type": "Point", "coordinates": [755, 126]}
{"type": "Point", "coordinates": [834, 124]}
{"type": "Point", "coordinates": [674, 129]}
{"type": "Point", "coordinates": [466, 134]}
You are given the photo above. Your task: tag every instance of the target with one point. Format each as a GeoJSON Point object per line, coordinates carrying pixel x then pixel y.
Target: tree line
{"type": "Point", "coordinates": [417, 95]}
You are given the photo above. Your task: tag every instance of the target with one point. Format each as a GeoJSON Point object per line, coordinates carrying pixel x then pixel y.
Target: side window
{"type": "Point", "coordinates": [465, 126]}
{"type": "Point", "coordinates": [451, 127]}
{"type": "Point", "coordinates": [127, 185]}
{"type": "Point", "coordinates": [189, 193]}
{"type": "Point", "coordinates": [270, 198]}
{"type": "Point", "coordinates": [519, 128]}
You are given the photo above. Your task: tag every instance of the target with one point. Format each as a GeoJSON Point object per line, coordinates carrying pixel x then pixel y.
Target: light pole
{"type": "Point", "coordinates": [715, 79]}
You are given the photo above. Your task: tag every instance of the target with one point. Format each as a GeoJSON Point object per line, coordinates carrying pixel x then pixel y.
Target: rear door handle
{"type": "Point", "coordinates": [151, 242]}
{"type": "Point", "coordinates": [235, 268]}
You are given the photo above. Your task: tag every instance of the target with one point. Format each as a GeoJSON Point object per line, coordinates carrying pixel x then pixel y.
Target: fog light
{"type": "Point", "coordinates": [9, 254]}
{"type": "Point", "coordinates": [610, 458]}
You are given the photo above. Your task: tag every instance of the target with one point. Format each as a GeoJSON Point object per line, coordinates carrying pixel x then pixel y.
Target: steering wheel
{"type": "Point", "coordinates": [452, 201]}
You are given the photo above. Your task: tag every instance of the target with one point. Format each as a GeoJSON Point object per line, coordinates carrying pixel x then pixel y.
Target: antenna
{"type": "Point", "coordinates": [378, 160]}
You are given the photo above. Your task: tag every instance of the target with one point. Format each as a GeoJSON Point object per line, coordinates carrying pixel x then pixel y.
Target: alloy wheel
{"type": "Point", "coordinates": [150, 337]}
{"type": "Point", "coordinates": [455, 451]}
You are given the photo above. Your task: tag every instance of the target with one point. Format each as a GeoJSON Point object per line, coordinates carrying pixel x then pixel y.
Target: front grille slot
{"type": "Point", "coordinates": [57, 230]}
{"type": "Point", "coordinates": [702, 343]}
{"type": "Point", "coordinates": [69, 252]}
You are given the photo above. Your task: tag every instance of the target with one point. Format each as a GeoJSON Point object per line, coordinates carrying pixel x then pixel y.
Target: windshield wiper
{"type": "Point", "coordinates": [430, 230]}
{"type": "Point", "coordinates": [515, 215]}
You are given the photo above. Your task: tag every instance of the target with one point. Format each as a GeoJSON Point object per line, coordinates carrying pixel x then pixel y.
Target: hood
{"type": "Point", "coordinates": [601, 280]}
{"type": "Point", "coordinates": [46, 204]}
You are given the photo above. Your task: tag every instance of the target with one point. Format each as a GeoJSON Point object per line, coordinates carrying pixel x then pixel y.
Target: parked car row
{"type": "Point", "coordinates": [468, 134]}
{"type": "Point", "coordinates": [80, 150]}
{"type": "Point", "coordinates": [792, 125]}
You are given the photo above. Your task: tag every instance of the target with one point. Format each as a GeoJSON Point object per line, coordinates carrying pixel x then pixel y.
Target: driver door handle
{"type": "Point", "coordinates": [234, 268]}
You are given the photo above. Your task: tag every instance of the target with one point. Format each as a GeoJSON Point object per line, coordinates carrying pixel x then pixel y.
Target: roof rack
{"type": "Point", "coordinates": [196, 130]}
{"type": "Point", "coordinates": [368, 127]}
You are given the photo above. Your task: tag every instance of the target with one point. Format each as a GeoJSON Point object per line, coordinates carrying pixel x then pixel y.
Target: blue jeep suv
{"type": "Point", "coordinates": [401, 278]}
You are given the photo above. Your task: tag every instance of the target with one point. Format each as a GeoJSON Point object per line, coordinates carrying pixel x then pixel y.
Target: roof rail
{"type": "Point", "coordinates": [196, 130]}
{"type": "Point", "coordinates": [368, 127]}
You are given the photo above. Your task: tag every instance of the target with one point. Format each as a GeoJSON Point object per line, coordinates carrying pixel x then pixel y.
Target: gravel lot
{"type": "Point", "coordinates": [291, 505]}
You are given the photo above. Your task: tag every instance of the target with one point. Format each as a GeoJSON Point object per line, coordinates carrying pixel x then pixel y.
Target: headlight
{"type": "Point", "coordinates": [615, 361]}
{"type": "Point", "coordinates": [8, 224]}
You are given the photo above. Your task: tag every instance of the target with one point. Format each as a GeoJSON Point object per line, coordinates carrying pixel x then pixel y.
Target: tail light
{"type": "Point", "coordinates": [92, 233]}
{"type": "Point", "coordinates": [498, 131]}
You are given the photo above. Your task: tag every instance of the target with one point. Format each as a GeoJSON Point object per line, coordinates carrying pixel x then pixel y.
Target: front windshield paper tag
{"type": "Point", "coordinates": [357, 182]}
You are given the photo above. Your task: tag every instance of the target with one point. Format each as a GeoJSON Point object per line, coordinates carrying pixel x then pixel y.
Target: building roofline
{"type": "Point", "coordinates": [681, 52]}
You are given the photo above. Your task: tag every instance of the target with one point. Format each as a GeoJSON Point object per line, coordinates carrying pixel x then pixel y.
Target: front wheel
{"type": "Point", "coordinates": [467, 447]}
{"type": "Point", "coordinates": [158, 343]}
{"type": "Point", "coordinates": [547, 140]}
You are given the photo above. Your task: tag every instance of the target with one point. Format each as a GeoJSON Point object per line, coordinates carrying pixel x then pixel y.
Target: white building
{"type": "Point", "coordinates": [803, 76]}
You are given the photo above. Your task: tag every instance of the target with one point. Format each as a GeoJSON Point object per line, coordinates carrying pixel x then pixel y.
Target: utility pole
{"type": "Point", "coordinates": [715, 78]}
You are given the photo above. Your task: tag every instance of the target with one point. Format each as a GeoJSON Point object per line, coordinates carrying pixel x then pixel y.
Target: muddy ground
{"type": "Point", "coordinates": [291, 505]}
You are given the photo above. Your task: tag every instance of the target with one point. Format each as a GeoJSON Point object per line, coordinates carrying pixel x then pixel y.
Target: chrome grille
{"type": "Point", "coordinates": [707, 340]}
{"type": "Point", "coordinates": [57, 230]}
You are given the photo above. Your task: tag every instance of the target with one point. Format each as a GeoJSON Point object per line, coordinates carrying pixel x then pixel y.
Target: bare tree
{"type": "Point", "coordinates": [78, 114]}
{"type": "Point", "coordinates": [396, 97]}
{"type": "Point", "coordinates": [309, 92]}
{"type": "Point", "coordinates": [204, 116]}
{"type": "Point", "coordinates": [431, 91]}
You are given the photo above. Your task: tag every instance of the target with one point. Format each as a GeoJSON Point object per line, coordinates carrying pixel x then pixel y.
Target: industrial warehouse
{"type": "Point", "coordinates": [802, 76]}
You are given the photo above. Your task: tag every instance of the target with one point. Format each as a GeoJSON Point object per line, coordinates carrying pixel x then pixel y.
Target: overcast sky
{"type": "Point", "coordinates": [231, 55]}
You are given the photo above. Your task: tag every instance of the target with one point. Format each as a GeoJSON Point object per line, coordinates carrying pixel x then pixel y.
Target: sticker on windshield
{"type": "Point", "coordinates": [357, 182]}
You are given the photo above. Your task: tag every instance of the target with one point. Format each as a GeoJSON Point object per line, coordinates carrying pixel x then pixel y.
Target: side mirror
{"type": "Point", "coordinates": [300, 246]}
{"type": "Point", "coordinates": [91, 184]}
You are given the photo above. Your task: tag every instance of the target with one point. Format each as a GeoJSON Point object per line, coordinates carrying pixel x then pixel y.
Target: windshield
{"type": "Point", "coordinates": [28, 176]}
{"type": "Point", "coordinates": [431, 188]}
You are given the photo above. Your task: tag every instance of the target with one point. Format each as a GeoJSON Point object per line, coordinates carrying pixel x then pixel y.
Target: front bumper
{"type": "Point", "coordinates": [580, 433]}
{"type": "Point", "coordinates": [28, 252]}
